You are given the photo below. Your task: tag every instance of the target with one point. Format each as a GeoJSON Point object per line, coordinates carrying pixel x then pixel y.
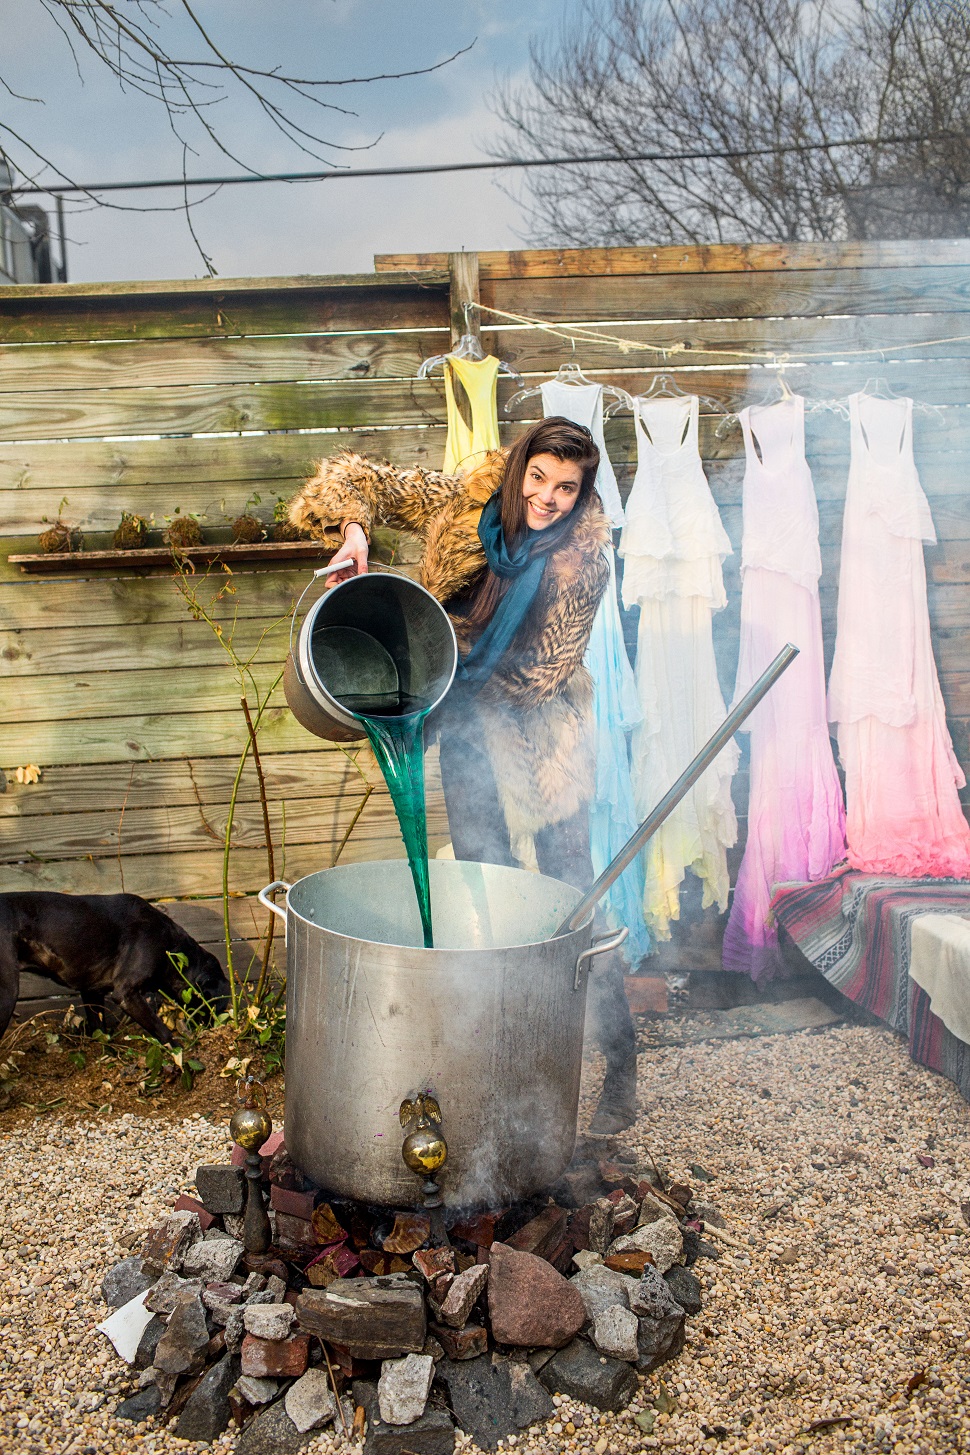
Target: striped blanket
{"type": "Point", "coordinates": [855, 929]}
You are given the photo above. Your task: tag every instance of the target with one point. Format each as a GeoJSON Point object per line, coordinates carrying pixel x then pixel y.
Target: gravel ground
{"type": "Point", "coordinates": [842, 1323]}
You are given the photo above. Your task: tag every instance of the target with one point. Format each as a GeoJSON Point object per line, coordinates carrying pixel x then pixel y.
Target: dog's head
{"type": "Point", "coordinates": [191, 964]}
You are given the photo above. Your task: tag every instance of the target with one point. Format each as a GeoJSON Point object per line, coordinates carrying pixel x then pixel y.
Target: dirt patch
{"type": "Point", "coordinates": [74, 1076]}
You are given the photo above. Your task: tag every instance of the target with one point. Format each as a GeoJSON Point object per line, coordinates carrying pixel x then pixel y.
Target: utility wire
{"type": "Point", "coordinates": [58, 189]}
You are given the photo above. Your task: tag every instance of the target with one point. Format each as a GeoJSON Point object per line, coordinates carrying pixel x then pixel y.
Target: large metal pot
{"type": "Point", "coordinates": [490, 1020]}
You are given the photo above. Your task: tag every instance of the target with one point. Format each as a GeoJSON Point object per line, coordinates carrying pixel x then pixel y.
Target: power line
{"type": "Point", "coordinates": [59, 189]}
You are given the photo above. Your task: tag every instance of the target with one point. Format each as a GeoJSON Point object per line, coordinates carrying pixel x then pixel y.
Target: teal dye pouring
{"type": "Point", "coordinates": [398, 744]}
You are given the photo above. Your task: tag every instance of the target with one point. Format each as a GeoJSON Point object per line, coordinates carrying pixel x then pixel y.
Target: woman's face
{"type": "Point", "coordinates": [550, 489]}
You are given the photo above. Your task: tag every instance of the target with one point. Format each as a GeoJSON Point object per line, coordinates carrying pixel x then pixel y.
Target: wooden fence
{"type": "Point", "coordinates": [144, 397]}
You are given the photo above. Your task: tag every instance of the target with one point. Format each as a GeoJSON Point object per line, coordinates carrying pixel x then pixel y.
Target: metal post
{"type": "Point", "coordinates": [62, 236]}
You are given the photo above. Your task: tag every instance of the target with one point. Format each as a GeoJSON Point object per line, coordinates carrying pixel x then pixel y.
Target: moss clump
{"type": "Point", "coordinates": [183, 530]}
{"type": "Point", "coordinates": [281, 529]}
{"type": "Point", "coordinates": [247, 530]}
{"type": "Point", "coordinates": [59, 538]}
{"type": "Point", "coordinates": [130, 533]}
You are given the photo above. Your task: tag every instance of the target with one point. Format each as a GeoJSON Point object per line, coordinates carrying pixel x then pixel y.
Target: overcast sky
{"type": "Point", "coordinates": [95, 131]}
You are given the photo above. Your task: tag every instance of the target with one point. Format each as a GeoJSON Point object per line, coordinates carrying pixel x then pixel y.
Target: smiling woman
{"type": "Point", "coordinates": [515, 550]}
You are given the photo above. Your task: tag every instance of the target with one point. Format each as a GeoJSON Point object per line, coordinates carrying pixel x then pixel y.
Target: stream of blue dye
{"type": "Point", "coordinates": [398, 743]}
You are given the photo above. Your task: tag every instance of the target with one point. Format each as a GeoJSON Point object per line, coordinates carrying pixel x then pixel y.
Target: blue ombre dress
{"type": "Point", "coordinates": [612, 816]}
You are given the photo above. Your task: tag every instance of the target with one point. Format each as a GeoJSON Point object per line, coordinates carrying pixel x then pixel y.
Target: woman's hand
{"type": "Point", "coordinates": [353, 553]}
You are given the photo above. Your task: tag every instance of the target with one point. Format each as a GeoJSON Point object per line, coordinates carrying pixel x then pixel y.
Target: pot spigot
{"type": "Point", "coordinates": [425, 1152]}
{"type": "Point", "coordinates": [250, 1127]}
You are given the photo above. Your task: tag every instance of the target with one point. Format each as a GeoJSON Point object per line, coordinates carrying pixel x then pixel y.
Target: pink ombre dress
{"type": "Point", "coordinates": [796, 821]}
{"type": "Point", "coordinates": [902, 777]}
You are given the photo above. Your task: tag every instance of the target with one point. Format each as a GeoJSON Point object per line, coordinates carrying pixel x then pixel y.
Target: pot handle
{"type": "Point", "coordinates": [598, 947]}
{"type": "Point", "coordinates": [264, 898]}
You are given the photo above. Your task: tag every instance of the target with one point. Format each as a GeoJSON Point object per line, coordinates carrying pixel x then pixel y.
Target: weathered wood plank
{"type": "Point", "coordinates": [74, 697]}
{"type": "Point", "coordinates": [103, 557]}
{"type": "Point", "coordinates": [687, 258]}
{"type": "Point", "coordinates": [36, 368]}
{"type": "Point", "coordinates": [155, 645]}
{"type": "Point", "coordinates": [200, 409]}
{"type": "Point", "coordinates": [734, 295]}
{"type": "Point", "coordinates": [139, 291]}
{"type": "Point", "coordinates": [321, 772]}
{"type": "Point", "coordinates": [710, 341]}
{"type": "Point", "coordinates": [179, 874]}
{"type": "Point", "coordinates": [171, 734]}
{"type": "Point", "coordinates": [233, 464]}
{"type": "Point", "coordinates": [46, 317]}
{"type": "Point", "coordinates": [186, 829]}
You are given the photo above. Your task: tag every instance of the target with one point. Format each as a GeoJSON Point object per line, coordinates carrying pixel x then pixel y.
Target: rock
{"type": "Point", "coordinates": [631, 1263]}
{"type": "Point", "coordinates": [615, 1333]}
{"type": "Point", "coordinates": [268, 1320]}
{"type": "Point", "coordinates": [685, 1287]}
{"type": "Point", "coordinates": [221, 1189]}
{"type": "Point", "coordinates": [148, 1343]}
{"type": "Point", "coordinates": [206, 1413]}
{"type": "Point", "coordinates": [543, 1234]}
{"type": "Point", "coordinates": [461, 1296]}
{"type": "Point", "coordinates": [709, 1214]}
{"type": "Point", "coordinates": [529, 1302]}
{"type": "Point", "coordinates": [466, 1343]}
{"type": "Point", "coordinates": [235, 1331]}
{"type": "Point", "coordinates": [431, 1263]}
{"type": "Point", "coordinates": [257, 1391]}
{"type": "Point", "coordinates": [658, 1233]}
{"type": "Point", "coordinates": [600, 1288]}
{"type": "Point", "coordinates": [275, 1358]}
{"type": "Point", "coordinates": [168, 1242]}
{"type": "Point", "coordinates": [493, 1399]}
{"type": "Point", "coordinates": [585, 1258]}
{"type": "Point", "coordinates": [326, 1228]}
{"type": "Point", "coordinates": [126, 1325]}
{"type": "Point", "coordinates": [374, 1318]}
{"type": "Point", "coordinates": [478, 1229]}
{"type": "Point", "coordinates": [309, 1402]}
{"type": "Point", "coordinates": [213, 1260]}
{"type": "Point", "coordinates": [581, 1185]}
{"type": "Point", "coordinates": [140, 1406]}
{"type": "Point", "coordinates": [223, 1293]}
{"type": "Point", "coordinates": [403, 1388]}
{"type": "Point", "coordinates": [295, 1233]}
{"type": "Point", "coordinates": [124, 1282]}
{"type": "Point", "coordinates": [625, 1214]}
{"type": "Point", "coordinates": [661, 1321]}
{"type": "Point", "coordinates": [601, 1218]}
{"type": "Point", "coordinates": [170, 1290]}
{"type": "Point", "coordinates": [272, 1432]}
{"type": "Point", "coordinates": [181, 1349]}
{"type": "Point", "coordinates": [432, 1434]}
{"type": "Point", "coordinates": [579, 1372]}
{"type": "Point", "coordinates": [410, 1230]}
{"type": "Point", "coordinates": [296, 1204]}
{"type": "Point", "coordinates": [184, 1203]}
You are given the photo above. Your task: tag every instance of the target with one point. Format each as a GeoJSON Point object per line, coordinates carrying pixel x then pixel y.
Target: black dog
{"type": "Point", "coordinates": [100, 944]}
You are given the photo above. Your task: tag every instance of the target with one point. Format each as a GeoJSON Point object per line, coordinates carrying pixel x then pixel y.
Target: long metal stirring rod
{"type": "Point", "coordinates": [682, 786]}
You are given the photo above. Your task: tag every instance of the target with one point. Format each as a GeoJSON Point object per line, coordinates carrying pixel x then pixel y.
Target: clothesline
{"type": "Point", "coordinates": [776, 358]}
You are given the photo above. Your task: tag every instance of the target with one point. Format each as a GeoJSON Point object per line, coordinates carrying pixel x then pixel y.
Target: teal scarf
{"type": "Point", "coordinates": [523, 568]}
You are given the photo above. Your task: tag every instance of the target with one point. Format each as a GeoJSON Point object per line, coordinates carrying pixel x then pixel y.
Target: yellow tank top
{"type": "Point", "coordinates": [465, 447]}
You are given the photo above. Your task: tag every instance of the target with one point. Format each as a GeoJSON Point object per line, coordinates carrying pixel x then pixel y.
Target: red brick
{"type": "Point", "coordinates": [296, 1204]}
{"type": "Point", "coordinates": [479, 1230]}
{"type": "Point", "coordinates": [542, 1235]}
{"type": "Point", "coordinates": [191, 1204]}
{"type": "Point", "coordinates": [275, 1358]}
{"type": "Point", "coordinates": [295, 1233]}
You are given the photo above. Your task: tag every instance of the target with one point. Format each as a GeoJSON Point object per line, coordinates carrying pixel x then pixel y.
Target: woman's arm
{"type": "Point", "coordinates": [350, 490]}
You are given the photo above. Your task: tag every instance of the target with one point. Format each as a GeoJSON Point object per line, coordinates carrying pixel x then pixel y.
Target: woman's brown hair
{"type": "Point", "coordinates": [554, 436]}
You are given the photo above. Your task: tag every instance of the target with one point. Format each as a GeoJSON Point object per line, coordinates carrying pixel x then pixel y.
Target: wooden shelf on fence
{"type": "Point", "coordinates": [45, 563]}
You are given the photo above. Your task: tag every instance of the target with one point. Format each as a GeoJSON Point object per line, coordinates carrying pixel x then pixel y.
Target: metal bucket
{"type": "Point", "coordinates": [377, 644]}
{"type": "Point", "coordinates": [490, 1020]}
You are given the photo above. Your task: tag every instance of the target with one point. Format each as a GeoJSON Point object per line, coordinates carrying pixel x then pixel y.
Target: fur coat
{"type": "Point", "coordinates": [535, 713]}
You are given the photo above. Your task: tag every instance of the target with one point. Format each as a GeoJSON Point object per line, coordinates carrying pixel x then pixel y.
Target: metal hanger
{"type": "Point", "coordinates": [468, 347]}
{"type": "Point", "coordinates": [571, 374]}
{"type": "Point", "coordinates": [875, 388]}
{"type": "Point", "coordinates": [778, 392]}
{"type": "Point", "coordinates": [665, 386]}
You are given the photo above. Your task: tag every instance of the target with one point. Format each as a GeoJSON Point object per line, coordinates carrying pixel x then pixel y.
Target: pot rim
{"type": "Point", "coordinates": [423, 950]}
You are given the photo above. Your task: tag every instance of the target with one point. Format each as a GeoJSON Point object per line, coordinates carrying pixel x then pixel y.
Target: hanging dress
{"type": "Point", "coordinates": [673, 544]}
{"type": "Point", "coordinates": [465, 446]}
{"type": "Point", "coordinates": [583, 404]}
{"type": "Point", "coordinates": [796, 820]}
{"type": "Point", "coordinates": [902, 776]}
{"type": "Point", "coordinates": [616, 711]}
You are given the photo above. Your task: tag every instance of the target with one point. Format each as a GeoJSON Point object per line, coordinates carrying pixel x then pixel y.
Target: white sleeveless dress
{"type": "Point", "coordinates": [672, 546]}
{"type": "Point", "coordinates": [796, 820]}
{"type": "Point", "coordinates": [901, 774]}
{"type": "Point", "coordinates": [583, 404]}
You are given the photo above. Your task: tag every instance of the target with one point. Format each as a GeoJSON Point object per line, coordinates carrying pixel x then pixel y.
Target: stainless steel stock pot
{"type": "Point", "coordinates": [490, 1020]}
